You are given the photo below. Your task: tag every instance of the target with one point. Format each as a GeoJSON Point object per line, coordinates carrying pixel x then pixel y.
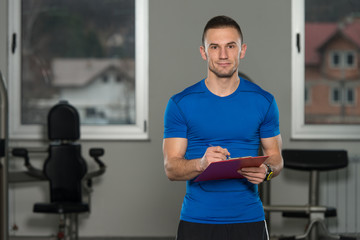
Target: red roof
{"type": "Point", "coordinates": [352, 30]}
{"type": "Point", "coordinates": [317, 34]}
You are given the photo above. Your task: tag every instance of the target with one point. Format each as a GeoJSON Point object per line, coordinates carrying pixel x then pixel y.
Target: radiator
{"type": "Point", "coordinates": [341, 189]}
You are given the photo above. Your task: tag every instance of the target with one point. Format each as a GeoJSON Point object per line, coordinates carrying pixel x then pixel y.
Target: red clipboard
{"type": "Point", "coordinates": [228, 169]}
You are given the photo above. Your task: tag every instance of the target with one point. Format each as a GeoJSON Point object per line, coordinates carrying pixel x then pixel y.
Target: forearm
{"type": "Point", "coordinates": [272, 148]}
{"type": "Point", "coordinates": [276, 163]}
{"type": "Point", "coordinates": [177, 168]}
{"type": "Point", "coordinates": [180, 169]}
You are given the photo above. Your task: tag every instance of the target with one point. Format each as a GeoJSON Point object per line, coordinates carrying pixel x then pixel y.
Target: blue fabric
{"type": "Point", "coordinates": [236, 122]}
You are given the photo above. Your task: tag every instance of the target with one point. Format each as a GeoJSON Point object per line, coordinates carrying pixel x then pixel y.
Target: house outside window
{"type": "Point", "coordinates": [335, 59]}
{"type": "Point", "coordinates": [307, 94]}
{"type": "Point", "coordinates": [350, 98]}
{"type": "Point", "coordinates": [335, 96]}
{"type": "Point", "coordinates": [325, 69]}
{"type": "Point", "coordinates": [78, 51]}
{"type": "Point", "coordinates": [343, 59]}
{"type": "Point", "coordinates": [350, 59]}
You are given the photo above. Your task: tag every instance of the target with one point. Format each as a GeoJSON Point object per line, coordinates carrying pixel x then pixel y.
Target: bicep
{"type": "Point", "coordinates": [174, 148]}
{"type": "Point", "coordinates": [272, 145]}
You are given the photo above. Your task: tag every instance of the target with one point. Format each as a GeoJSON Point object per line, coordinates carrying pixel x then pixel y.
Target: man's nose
{"type": "Point", "coordinates": [223, 53]}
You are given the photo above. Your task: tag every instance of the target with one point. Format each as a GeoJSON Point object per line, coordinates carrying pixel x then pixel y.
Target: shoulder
{"type": "Point", "coordinates": [189, 92]}
{"type": "Point", "coordinates": [256, 89]}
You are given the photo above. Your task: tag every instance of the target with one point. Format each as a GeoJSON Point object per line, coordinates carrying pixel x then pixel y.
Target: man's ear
{"type": "Point", "coordinates": [243, 50]}
{"type": "Point", "coordinates": [203, 53]}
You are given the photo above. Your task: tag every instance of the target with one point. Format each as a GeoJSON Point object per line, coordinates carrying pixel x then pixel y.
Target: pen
{"type": "Point", "coordinates": [227, 156]}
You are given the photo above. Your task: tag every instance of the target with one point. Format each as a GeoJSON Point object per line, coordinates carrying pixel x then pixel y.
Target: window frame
{"type": "Point", "coordinates": [138, 131]}
{"type": "Point", "coordinates": [346, 55]}
{"type": "Point", "coordinates": [331, 59]}
{"type": "Point", "coordinates": [300, 130]}
{"type": "Point", "coordinates": [343, 55]}
{"type": "Point", "coordinates": [336, 90]}
{"type": "Point", "coordinates": [346, 96]}
{"type": "Point", "coordinates": [307, 95]}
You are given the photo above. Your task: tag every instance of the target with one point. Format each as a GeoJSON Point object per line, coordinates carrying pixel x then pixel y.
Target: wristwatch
{"type": "Point", "coordinates": [269, 173]}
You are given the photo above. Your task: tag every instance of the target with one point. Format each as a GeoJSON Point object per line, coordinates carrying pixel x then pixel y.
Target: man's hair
{"type": "Point", "coordinates": [221, 22]}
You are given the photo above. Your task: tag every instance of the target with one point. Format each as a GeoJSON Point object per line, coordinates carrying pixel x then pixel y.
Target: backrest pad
{"type": "Point", "coordinates": [65, 169]}
{"type": "Point", "coordinates": [63, 122]}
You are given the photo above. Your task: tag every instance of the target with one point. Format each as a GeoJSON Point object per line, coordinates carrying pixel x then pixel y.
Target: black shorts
{"type": "Point", "coordinates": [236, 231]}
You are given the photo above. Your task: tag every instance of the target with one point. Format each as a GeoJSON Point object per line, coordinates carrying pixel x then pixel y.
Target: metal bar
{"type": "Point", "coordinates": [313, 198]}
{"type": "Point", "coordinates": [34, 149]}
{"type": "Point", "coordinates": [290, 208]}
{"type": "Point", "coordinates": [4, 161]}
{"type": "Point", "coordinates": [22, 176]}
{"type": "Point", "coordinates": [314, 188]}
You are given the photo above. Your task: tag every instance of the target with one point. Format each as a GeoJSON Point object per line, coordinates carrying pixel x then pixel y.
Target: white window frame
{"type": "Point", "coordinates": [353, 53]}
{"type": "Point", "coordinates": [342, 59]}
{"type": "Point", "coordinates": [346, 95]}
{"type": "Point", "coordinates": [331, 59]}
{"type": "Point", "coordinates": [138, 131]}
{"type": "Point", "coordinates": [300, 130]}
{"type": "Point", "coordinates": [331, 95]}
{"type": "Point", "coordinates": [309, 92]}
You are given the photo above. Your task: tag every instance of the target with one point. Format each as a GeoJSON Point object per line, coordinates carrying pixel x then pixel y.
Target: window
{"type": "Point", "coordinates": [324, 57]}
{"type": "Point", "coordinates": [336, 95]}
{"type": "Point", "coordinates": [342, 95]}
{"type": "Point", "coordinates": [350, 59]}
{"type": "Point", "coordinates": [350, 96]}
{"type": "Point", "coordinates": [342, 59]}
{"type": "Point", "coordinates": [335, 59]}
{"type": "Point", "coordinates": [93, 55]}
{"type": "Point", "coordinates": [307, 95]}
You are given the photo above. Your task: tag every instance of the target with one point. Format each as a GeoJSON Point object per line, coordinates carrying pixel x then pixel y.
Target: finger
{"type": "Point", "coordinates": [227, 153]}
{"type": "Point", "coordinates": [217, 152]}
{"type": "Point", "coordinates": [255, 181]}
{"type": "Point", "coordinates": [253, 178]}
{"type": "Point", "coordinates": [216, 149]}
{"type": "Point", "coordinates": [221, 150]}
{"type": "Point", "coordinates": [216, 156]}
{"type": "Point", "coordinates": [254, 170]}
{"type": "Point", "coordinates": [251, 174]}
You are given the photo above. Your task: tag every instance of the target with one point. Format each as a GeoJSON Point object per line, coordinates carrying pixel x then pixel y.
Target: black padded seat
{"type": "Point", "coordinates": [61, 207]}
{"type": "Point", "coordinates": [319, 160]}
{"type": "Point", "coordinates": [312, 161]}
{"type": "Point", "coordinates": [65, 169]}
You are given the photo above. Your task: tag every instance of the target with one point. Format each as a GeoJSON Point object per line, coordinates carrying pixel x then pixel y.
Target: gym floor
{"type": "Point", "coordinates": [111, 238]}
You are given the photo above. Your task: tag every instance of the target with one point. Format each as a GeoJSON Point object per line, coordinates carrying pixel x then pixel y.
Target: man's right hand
{"type": "Point", "coordinates": [213, 154]}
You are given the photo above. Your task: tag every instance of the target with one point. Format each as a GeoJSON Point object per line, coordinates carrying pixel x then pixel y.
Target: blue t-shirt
{"type": "Point", "coordinates": [236, 122]}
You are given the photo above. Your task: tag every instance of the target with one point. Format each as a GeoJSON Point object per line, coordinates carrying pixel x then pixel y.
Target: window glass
{"type": "Point", "coordinates": [336, 95]}
{"type": "Point", "coordinates": [332, 30]}
{"type": "Point", "coordinates": [92, 53]}
{"type": "Point", "coordinates": [306, 94]}
{"type": "Point", "coordinates": [336, 59]}
{"type": "Point", "coordinates": [77, 51]}
{"type": "Point", "coordinates": [350, 59]}
{"type": "Point", "coordinates": [350, 96]}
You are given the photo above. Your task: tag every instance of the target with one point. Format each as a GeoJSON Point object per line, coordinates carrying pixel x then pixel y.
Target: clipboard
{"type": "Point", "coordinates": [228, 169]}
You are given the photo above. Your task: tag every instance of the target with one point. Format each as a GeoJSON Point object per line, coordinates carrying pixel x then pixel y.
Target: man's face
{"type": "Point", "coordinates": [222, 51]}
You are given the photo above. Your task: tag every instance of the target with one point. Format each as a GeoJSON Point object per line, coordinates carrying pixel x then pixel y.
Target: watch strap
{"type": "Point", "coordinates": [269, 173]}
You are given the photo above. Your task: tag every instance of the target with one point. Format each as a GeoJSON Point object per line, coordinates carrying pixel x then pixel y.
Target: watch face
{"type": "Point", "coordinates": [269, 176]}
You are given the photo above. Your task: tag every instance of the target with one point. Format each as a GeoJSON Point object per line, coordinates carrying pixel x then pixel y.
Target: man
{"type": "Point", "coordinates": [221, 115]}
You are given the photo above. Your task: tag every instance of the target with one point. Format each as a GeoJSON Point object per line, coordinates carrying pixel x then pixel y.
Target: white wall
{"type": "Point", "coordinates": [134, 197]}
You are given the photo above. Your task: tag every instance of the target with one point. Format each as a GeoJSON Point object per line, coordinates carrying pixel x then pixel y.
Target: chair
{"type": "Point", "coordinates": [312, 161]}
{"type": "Point", "coordinates": [65, 169]}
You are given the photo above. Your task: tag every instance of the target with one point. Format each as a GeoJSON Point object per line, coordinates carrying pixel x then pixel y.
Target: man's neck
{"type": "Point", "coordinates": [222, 86]}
